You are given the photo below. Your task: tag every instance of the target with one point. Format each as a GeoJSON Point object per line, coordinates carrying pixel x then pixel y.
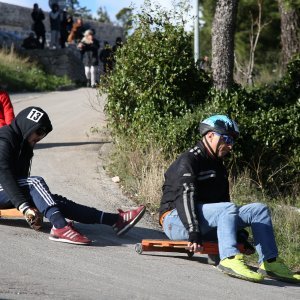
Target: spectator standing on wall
{"type": "Point", "coordinates": [63, 29]}
{"type": "Point", "coordinates": [55, 19]}
{"type": "Point", "coordinates": [6, 109]}
{"type": "Point", "coordinates": [89, 53]}
{"type": "Point", "coordinates": [38, 27]}
{"type": "Point", "coordinates": [69, 24]}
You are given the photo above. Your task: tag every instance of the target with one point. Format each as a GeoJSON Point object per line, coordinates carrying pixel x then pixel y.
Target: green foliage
{"type": "Point", "coordinates": [267, 53]}
{"type": "Point", "coordinates": [18, 75]}
{"type": "Point", "coordinates": [268, 48]}
{"type": "Point", "coordinates": [155, 85]}
{"type": "Point", "coordinates": [156, 96]}
{"type": "Point", "coordinates": [269, 121]}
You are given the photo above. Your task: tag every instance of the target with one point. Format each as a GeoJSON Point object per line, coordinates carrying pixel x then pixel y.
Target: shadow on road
{"type": "Point", "coordinates": [72, 144]}
{"type": "Point", "coordinates": [101, 235]}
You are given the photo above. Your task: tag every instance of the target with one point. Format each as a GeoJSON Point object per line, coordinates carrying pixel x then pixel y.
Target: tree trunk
{"type": "Point", "coordinates": [290, 33]}
{"type": "Point", "coordinates": [223, 30]}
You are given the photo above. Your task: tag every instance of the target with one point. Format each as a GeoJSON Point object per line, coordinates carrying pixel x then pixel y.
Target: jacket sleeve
{"type": "Point", "coordinates": [185, 199]}
{"type": "Point", "coordinates": [7, 108]}
{"type": "Point", "coordinates": [7, 180]}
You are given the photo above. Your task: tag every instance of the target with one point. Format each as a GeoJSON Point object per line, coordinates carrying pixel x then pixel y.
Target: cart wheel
{"type": "Point", "coordinates": [190, 254]}
{"type": "Point", "coordinates": [138, 248]}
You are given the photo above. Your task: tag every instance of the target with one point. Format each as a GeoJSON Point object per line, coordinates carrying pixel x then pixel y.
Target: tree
{"type": "Point", "coordinates": [267, 49]}
{"type": "Point", "coordinates": [124, 16]}
{"type": "Point", "coordinates": [75, 9]}
{"type": "Point", "coordinates": [256, 30]}
{"type": "Point", "coordinates": [103, 16]}
{"type": "Point", "coordinates": [290, 32]}
{"type": "Point", "coordinates": [223, 30]}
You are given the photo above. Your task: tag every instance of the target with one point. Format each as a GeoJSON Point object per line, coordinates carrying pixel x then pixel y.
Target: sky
{"type": "Point", "coordinates": [112, 6]}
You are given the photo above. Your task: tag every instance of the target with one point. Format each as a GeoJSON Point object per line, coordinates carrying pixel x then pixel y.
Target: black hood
{"type": "Point", "coordinates": [29, 120]}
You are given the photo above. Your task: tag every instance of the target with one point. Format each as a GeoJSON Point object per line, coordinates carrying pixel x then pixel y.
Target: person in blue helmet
{"type": "Point", "coordinates": [196, 206]}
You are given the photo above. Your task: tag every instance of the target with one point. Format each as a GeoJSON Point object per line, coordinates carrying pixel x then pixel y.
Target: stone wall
{"type": "Point", "coordinates": [59, 62]}
{"type": "Point", "coordinates": [17, 19]}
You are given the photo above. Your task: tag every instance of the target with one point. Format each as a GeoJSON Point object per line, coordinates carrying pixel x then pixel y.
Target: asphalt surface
{"type": "Point", "coordinates": [70, 160]}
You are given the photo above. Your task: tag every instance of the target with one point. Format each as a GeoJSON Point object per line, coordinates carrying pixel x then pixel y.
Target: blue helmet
{"type": "Point", "coordinates": [220, 124]}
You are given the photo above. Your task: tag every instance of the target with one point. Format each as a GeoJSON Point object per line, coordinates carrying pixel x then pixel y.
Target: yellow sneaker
{"type": "Point", "coordinates": [278, 270]}
{"type": "Point", "coordinates": [236, 267]}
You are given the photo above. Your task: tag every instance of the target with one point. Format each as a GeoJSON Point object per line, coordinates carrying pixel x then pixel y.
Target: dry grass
{"type": "Point", "coordinates": [151, 181]}
{"type": "Point", "coordinates": [19, 74]}
{"type": "Point", "coordinates": [10, 59]}
{"type": "Point", "coordinates": [141, 174]}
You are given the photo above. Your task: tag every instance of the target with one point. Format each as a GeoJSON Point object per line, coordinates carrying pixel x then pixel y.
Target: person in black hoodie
{"type": "Point", "coordinates": [38, 16]}
{"type": "Point", "coordinates": [196, 206]}
{"type": "Point", "coordinates": [31, 195]}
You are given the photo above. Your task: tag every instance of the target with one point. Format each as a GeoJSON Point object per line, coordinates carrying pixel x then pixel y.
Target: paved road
{"type": "Point", "coordinates": [33, 267]}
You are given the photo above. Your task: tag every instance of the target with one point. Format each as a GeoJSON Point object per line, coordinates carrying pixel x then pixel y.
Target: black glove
{"type": "Point", "coordinates": [33, 217]}
{"type": "Point", "coordinates": [195, 237]}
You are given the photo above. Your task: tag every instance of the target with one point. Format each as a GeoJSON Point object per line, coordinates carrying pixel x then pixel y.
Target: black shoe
{"type": "Point", "coordinates": [88, 83]}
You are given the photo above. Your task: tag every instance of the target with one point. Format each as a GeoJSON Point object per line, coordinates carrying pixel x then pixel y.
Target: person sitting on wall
{"type": "Point", "coordinates": [31, 42]}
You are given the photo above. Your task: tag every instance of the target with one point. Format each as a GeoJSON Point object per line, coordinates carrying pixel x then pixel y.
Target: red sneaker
{"type": "Point", "coordinates": [128, 219]}
{"type": "Point", "coordinates": [68, 234]}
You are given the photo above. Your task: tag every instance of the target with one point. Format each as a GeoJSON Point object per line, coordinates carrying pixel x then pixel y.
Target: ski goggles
{"type": "Point", "coordinates": [229, 140]}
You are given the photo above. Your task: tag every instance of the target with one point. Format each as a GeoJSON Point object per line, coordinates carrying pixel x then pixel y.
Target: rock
{"type": "Point", "coordinates": [116, 179]}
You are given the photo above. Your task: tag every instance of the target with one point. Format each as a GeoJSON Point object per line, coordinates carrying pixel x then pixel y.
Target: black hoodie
{"type": "Point", "coordinates": [15, 151]}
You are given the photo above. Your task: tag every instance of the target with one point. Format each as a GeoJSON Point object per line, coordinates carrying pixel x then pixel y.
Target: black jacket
{"type": "Point", "coordinates": [195, 177]}
{"type": "Point", "coordinates": [89, 53]}
{"type": "Point", "coordinates": [15, 151]}
{"type": "Point", "coordinates": [38, 17]}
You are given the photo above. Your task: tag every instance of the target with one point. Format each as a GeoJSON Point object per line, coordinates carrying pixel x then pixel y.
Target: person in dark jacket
{"type": "Point", "coordinates": [118, 44]}
{"type": "Point", "coordinates": [30, 42]}
{"type": "Point", "coordinates": [88, 47]}
{"type": "Point", "coordinates": [31, 195]}
{"type": "Point", "coordinates": [64, 29]}
{"type": "Point", "coordinates": [107, 58]}
{"type": "Point", "coordinates": [38, 27]}
{"type": "Point", "coordinates": [55, 23]}
{"type": "Point", "coordinates": [196, 205]}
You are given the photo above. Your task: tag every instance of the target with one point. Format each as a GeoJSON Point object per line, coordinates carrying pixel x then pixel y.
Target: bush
{"type": "Point", "coordinates": [269, 120]}
{"type": "Point", "coordinates": [155, 85]}
{"type": "Point", "coordinates": [157, 96]}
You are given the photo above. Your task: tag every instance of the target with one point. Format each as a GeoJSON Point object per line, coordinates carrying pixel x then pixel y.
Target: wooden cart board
{"type": "Point", "coordinates": [10, 213]}
{"type": "Point", "coordinates": [178, 247]}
